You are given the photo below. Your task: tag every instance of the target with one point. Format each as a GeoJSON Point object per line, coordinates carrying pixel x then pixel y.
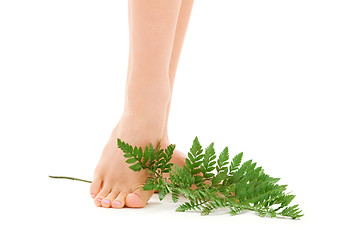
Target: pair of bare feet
{"type": "Point", "coordinates": [114, 184]}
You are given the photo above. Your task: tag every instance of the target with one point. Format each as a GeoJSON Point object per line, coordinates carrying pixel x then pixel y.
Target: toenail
{"type": "Point", "coordinates": [99, 199]}
{"type": "Point", "coordinates": [106, 201]}
{"type": "Point", "coordinates": [117, 203]}
{"type": "Point", "coordinates": [93, 195]}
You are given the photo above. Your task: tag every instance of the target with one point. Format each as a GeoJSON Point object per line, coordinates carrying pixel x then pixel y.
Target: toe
{"type": "Point", "coordinates": [106, 202]}
{"type": "Point", "coordinates": [119, 202]}
{"type": "Point", "coordinates": [95, 187]}
{"type": "Point", "coordinates": [101, 195]}
{"type": "Point", "coordinates": [138, 198]}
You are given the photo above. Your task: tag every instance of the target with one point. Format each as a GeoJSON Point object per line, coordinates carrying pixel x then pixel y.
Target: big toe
{"type": "Point", "coordinates": [138, 198]}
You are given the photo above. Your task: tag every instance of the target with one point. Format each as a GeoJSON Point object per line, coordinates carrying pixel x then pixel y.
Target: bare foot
{"type": "Point", "coordinates": [114, 184]}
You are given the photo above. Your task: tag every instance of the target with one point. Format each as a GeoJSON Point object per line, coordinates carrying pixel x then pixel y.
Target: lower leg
{"type": "Point", "coordinates": [180, 33]}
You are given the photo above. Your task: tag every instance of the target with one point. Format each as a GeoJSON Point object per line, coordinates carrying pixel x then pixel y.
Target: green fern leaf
{"type": "Point", "coordinates": [131, 160]}
{"type": "Point", "coordinates": [233, 186]}
{"type": "Point", "coordinates": [136, 167]}
{"type": "Point", "coordinates": [223, 160]}
{"type": "Point", "coordinates": [236, 162]}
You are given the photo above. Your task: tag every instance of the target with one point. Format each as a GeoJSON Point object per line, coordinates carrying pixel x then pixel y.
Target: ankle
{"type": "Point", "coordinates": [152, 98]}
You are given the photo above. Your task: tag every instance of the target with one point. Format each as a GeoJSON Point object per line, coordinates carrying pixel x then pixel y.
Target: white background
{"type": "Point", "coordinates": [269, 78]}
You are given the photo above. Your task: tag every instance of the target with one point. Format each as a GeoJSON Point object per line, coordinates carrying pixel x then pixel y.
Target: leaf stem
{"type": "Point", "coordinates": [71, 178]}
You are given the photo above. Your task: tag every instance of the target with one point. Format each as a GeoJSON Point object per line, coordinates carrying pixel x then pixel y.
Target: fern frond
{"type": "Point", "coordinates": [194, 157]}
{"type": "Point", "coordinates": [207, 165]}
{"type": "Point", "coordinates": [223, 161]}
{"type": "Point", "coordinates": [235, 186]}
{"type": "Point", "coordinates": [209, 184]}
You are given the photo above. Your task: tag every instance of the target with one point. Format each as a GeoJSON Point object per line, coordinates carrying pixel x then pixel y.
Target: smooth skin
{"type": "Point", "coordinates": [157, 32]}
